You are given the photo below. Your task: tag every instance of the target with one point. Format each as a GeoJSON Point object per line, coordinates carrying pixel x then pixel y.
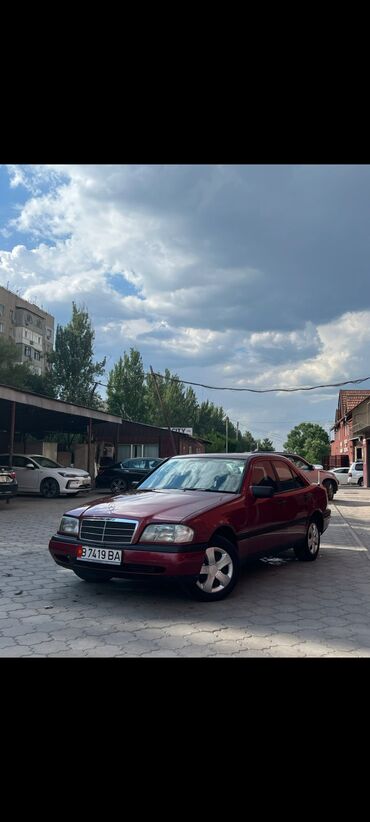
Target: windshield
{"type": "Point", "coordinates": [197, 475]}
{"type": "Point", "coordinates": [44, 462]}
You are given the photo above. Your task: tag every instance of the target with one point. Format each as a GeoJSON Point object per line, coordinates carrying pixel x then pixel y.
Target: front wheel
{"type": "Point", "coordinates": [218, 574]}
{"type": "Point", "coordinates": [309, 550]}
{"type": "Point", "coordinates": [49, 488]}
{"type": "Point", "coordinates": [93, 576]}
{"type": "Point", "coordinates": [360, 482]}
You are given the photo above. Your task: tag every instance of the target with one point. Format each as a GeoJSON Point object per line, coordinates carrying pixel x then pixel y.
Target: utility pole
{"type": "Point", "coordinates": [165, 418]}
{"type": "Point", "coordinates": [227, 434]}
{"type": "Point", "coordinates": [237, 435]}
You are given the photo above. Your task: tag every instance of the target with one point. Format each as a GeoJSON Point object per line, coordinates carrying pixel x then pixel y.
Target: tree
{"type": "Point", "coordinates": [126, 392]}
{"type": "Point", "coordinates": [309, 440]}
{"type": "Point", "coordinates": [74, 372]}
{"type": "Point", "coordinates": [180, 405]}
{"type": "Point", "coordinates": [247, 442]}
{"type": "Point", "coordinates": [20, 375]}
{"type": "Point", "coordinates": [265, 445]}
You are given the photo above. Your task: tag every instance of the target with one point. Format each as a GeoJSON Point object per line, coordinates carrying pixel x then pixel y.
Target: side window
{"type": "Point", "coordinates": [20, 462]}
{"type": "Point", "coordinates": [288, 480]}
{"type": "Point", "coordinates": [359, 466]}
{"type": "Point", "coordinates": [301, 465]}
{"type": "Point", "coordinates": [262, 474]}
{"type": "Point", "coordinates": [4, 461]}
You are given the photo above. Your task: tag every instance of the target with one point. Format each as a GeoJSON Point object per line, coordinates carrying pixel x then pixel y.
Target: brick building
{"type": "Point", "coordinates": [346, 444]}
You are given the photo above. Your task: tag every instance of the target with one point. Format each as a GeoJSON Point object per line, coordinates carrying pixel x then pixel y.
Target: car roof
{"type": "Point", "coordinates": [29, 456]}
{"type": "Point", "coordinates": [242, 455]}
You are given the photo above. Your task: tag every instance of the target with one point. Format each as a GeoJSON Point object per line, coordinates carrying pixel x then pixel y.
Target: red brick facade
{"type": "Point", "coordinates": [346, 448]}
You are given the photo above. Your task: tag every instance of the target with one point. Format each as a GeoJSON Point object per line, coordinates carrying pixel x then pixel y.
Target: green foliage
{"type": "Point", "coordinates": [74, 373]}
{"type": "Point", "coordinates": [309, 440]}
{"type": "Point", "coordinates": [180, 404]}
{"type": "Point", "coordinates": [265, 445]}
{"type": "Point", "coordinates": [19, 375]}
{"type": "Point", "coordinates": [127, 392]}
{"type": "Point", "coordinates": [247, 442]}
{"type": "Point", "coordinates": [217, 443]}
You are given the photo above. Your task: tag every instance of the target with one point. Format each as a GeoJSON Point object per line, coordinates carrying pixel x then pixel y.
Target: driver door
{"type": "Point", "coordinates": [266, 516]}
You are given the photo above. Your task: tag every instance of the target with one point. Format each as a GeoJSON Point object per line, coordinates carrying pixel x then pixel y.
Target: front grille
{"type": "Point", "coordinates": [117, 531]}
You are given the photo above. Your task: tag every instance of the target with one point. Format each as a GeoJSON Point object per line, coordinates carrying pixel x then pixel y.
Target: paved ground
{"type": "Point", "coordinates": [278, 609]}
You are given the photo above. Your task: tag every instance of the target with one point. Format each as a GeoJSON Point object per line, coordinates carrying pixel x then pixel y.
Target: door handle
{"type": "Point", "coordinates": [281, 501]}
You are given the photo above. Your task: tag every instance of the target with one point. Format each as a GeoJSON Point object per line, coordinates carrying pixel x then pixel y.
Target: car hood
{"type": "Point", "coordinates": [160, 506]}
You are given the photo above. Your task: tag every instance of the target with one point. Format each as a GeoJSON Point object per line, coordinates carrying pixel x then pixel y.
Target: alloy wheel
{"type": "Point", "coordinates": [313, 538]}
{"type": "Point", "coordinates": [216, 572]}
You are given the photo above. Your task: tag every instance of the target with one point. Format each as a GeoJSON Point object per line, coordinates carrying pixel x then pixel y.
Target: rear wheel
{"type": "Point", "coordinates": [49, 488]}
{"type": "Point", "coordinates": [218, 574]}
{"type": "Point", "coordinates": [119, 486]}
{"type": "Point", "coordinates": [309, 550]}
{"type": "Point", "coordinates": [93, 576]}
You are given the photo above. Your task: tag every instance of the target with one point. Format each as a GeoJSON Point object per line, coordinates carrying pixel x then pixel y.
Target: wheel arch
{"type": "Point", "coordinates": [318, 517]}
{"type": "Point", "coordinates": [227, 532]}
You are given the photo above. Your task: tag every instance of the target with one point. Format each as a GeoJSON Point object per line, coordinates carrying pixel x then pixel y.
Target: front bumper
{"type": "Point", "coordinates": [164, 560]}
{"type": "Point", "coordinates": [70, 488]}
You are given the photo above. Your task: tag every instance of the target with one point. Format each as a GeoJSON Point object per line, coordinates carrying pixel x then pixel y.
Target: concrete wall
{"type": "Point", "coordinates": [65, 458]}
{"type": "Point", "coordinates": [80, 456]}
{"type": "Point", "coordinates": [47, 449]}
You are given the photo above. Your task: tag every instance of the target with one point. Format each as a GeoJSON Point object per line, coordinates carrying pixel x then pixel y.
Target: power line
{"type": "Point", "coordinates": [263, 390]}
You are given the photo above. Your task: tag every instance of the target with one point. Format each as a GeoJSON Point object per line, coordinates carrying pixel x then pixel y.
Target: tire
{"type": "Point", "coordinates": [330, 489]}
{"type": "Point", "coordinates": [209, 586]}
{"type": "Point", "coordinates": [49, 488]}
{"type": "Point", "coordinates": [308, 551]}
{"type": "Point", "coordinates": [361, 481]}
{"type": "Point", "coordinates": [93, 576]}
{"type": "Point", "coordinates": [119, 486]}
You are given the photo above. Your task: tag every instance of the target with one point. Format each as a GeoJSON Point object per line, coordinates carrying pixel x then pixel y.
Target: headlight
{"type": "Point", "coordinates": [69, 525]}
{"type": "Point", "coordinates": [167, 533]}
{"type": "Point", "coordinates": [64, 474]}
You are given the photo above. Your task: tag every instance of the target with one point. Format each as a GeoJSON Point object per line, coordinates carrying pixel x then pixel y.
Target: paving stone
{"type": "Point", "coordinates": [294, 609]}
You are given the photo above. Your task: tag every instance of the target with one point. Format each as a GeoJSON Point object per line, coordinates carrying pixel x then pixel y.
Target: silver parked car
{"type": "Point", "coordinates": [341, 474]}
{"type": "Point", "coordinates": [37, 474]}
{"type": "Point", "coordinates": [356, 473]}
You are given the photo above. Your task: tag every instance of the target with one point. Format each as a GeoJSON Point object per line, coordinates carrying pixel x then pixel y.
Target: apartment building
{"type": "Point", "coordinates": [29, 327]}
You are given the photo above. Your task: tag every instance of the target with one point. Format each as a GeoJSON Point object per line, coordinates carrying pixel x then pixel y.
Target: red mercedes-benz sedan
{"type": "Point", "coordinates": [196, 518]}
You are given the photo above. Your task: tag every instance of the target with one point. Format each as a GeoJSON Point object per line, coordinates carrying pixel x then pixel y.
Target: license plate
{"type": "Point", "coordinates": [110, 555]}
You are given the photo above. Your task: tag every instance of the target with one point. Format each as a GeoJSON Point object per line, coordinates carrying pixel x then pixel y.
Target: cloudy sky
{"type": "Point", "coordinates": [230, 275]}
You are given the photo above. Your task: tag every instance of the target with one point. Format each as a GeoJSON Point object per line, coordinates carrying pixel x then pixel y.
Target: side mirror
{"type": "Point", "coordinates": [30, 465]}
{"type": "Point", "coordinates": [262, 490]}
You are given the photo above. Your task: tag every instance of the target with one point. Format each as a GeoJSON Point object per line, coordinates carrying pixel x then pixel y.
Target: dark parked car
{"type": "Point", "coordinates": [8, 484]}
{"type": "Point", "coordinates": [119, 476]}
{"type": "Point", "coordinates": [196, 518]}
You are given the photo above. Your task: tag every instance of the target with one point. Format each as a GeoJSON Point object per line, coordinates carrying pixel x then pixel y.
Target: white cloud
{"type": "Point", "coordinates": [174, 260]}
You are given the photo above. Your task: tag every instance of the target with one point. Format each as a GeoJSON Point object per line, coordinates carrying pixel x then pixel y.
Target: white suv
{"type": "Point", "coordinates": [40, 475]}
{"type": "Point", "coordinates": [356, 473]}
